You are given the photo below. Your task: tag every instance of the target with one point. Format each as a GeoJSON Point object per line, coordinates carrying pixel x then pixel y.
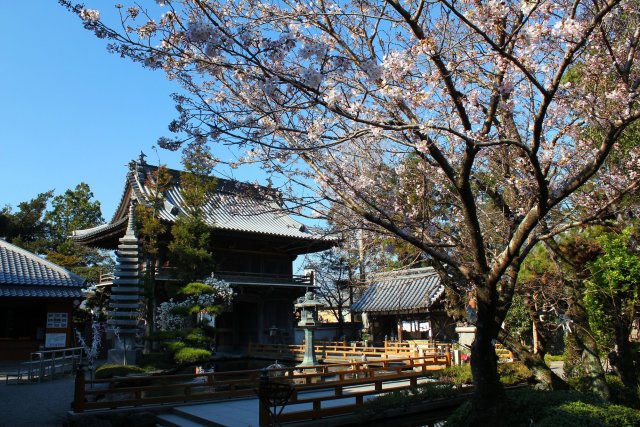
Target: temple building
{"type": "Point", "coordinates": [37, 298]}
{"type": "Point", "coordinates": [405, 304]}
{"type": "Point", "coordinates": [253, 241]}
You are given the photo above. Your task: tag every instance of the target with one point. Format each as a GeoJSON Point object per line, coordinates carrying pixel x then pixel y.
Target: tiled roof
{"type": "Point", "coordinates": [235, 206]}
{"type": "Point", "coordinates": [401, 292]}
{"type": "Point", "coordinates": [24, 274]}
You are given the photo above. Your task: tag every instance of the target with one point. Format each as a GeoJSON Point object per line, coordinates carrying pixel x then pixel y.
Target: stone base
{"type": "Point", "coordinates": [117, 356]}
{"type": "Point", "coordinates": [466, 335]}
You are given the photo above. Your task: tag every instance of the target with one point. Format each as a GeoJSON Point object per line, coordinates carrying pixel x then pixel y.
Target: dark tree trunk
{"type": "Point", "coordinates": [623, 360]}
{"type": "Point", "coordinates": [587, 345]}
{"type": "Point", "coordinates": [544, 376]}
{"type": "Point", "coordinates": [150, 343]}
{"type": "Point", "coordinates": [534, 360]}
{"type": "Point", "coordinates": [489, 399]}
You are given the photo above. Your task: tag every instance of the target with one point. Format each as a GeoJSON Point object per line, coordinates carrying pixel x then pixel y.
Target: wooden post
{"type": "Point", "coordinates": [263, 415]}
{"type": "Point", "coordinates": [78, 397]}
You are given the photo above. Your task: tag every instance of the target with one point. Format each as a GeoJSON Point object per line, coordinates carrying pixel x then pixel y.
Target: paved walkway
{"type": "Point", "coordinates": [244, 412]}
{"type": "Point", "coordinates": [34, 404]}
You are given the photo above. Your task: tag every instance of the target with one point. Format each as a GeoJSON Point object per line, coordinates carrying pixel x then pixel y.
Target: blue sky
{"type": "Point", "coordinates": [69, 110]}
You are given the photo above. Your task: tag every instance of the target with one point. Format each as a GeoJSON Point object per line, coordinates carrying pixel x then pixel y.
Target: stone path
{"type": "Point", "coordinates": [33, 405]}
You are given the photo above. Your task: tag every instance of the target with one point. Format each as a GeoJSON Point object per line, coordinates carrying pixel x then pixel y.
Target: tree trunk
{"type": "Point", "coordinates": [489, 400]}
{"type": "Point", "coordinates": [624, 359]}
{"type": "Point", "coordinates": [546, 379]}
{"type": "Point", "coordinates": [150, 328]}
{"type": "Point", "coordinates": [587, 345]}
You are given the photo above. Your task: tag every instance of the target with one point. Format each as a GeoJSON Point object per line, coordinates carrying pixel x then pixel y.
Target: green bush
{"type": "Point", "coordinates": [196, 337]}
{"type": "Point", "coordinates": [175, 346]}
{"type": "Point", "coordinates": [548, 358]}
{"type": "Point", "coordinates": [456, 375]}
{"type": "Point", "coordinates": [434, 391]}
{"type": "Point", "coordinates": [110, 371]}
{"type": "Point", "coordinates": [556, 408]}
{"type": "Point", "coordinates": [190, 355]}
{"type": "Point", "coordinates": [607, 414]}
{"type": "Point", "coordinates": [621, 394]}
{"type": "Point", "coordinates": [514, 373]}
{"type": "Point", "coordinates": [403, 398]}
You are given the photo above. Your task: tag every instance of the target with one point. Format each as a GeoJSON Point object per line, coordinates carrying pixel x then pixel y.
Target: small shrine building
{"type": "Point", "coordinates": [405, 304]}
{"type": "Point", "coordinates": [37, 298]}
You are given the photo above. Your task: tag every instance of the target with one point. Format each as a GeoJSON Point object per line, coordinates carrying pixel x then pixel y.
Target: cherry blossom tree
{"type": "Point", "coordinates": [463, 127]}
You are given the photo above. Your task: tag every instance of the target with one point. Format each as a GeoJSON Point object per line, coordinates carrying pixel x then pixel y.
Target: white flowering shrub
{"type": "Point", "coordinates": [221, 290]}
{"type": "Point", "coordinates": [208, 297]}
{"type": "Point", "coordinates": [92, 350]}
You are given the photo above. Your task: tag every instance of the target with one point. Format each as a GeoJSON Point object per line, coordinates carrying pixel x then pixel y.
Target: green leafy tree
{"type": "Point", "coordinates": [611, 295]}
{"type": "Point", "coordinates": [150, 230]}
{"type": "Point", "coordinates": [71, 211]}
{"type": "Point", "coordinates": [189, 250]}
{"type": "Point", "coordinates": [187, 322]}
{"type": "Point", "coordinates": [26, 227]}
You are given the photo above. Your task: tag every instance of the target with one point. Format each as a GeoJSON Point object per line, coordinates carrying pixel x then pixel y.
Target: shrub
{"type": "Point", "coordinates": [434, 391]}
{"type": "Point", "coordinates": [196, 337]}
{"type": "Point", "coordinates": [191, 355]}
{"type": "Point", "coordinates": [175, 346]}
{"type": "Point", "coordinates": [556, 408]}
{"type": "Point", "coordinates": [403, 398]}
{"type": "Point", "coordinates": [548, 358]}
{"type": "Point", "coordinates": [620, 393]}
{"type": "Point", "coordinates": [456, 375]}
{"type": "Point", "coordinates": [601, 414]}
{"type": "Point", "coordinates": [514, 373]}
{"type": "Point", "coordinates": [110, 371]}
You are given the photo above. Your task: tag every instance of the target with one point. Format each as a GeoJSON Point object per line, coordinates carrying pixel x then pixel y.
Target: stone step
{"type": "Point", "coordinates": [183, 420]}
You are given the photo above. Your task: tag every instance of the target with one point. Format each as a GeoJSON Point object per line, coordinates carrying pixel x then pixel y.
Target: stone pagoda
{"type": "Point", "coordinates": [126, 304]}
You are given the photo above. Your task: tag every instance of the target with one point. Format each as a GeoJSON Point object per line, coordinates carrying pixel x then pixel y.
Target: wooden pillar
{"type": "Point", "coordinates": [78, 398]}
{"type": "Point", "coordinates": [399, 322]}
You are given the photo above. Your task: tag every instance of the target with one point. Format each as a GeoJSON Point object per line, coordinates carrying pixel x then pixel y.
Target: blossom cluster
{"type": "Point", "coordinates": [170, 314]}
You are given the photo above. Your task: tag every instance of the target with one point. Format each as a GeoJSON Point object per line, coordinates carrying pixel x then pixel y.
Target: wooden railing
{"type": "Point", "coordinates": [340, 351]}
{"type": "Point", "coordinates": [148, 390]}
{"type": "Point", "coordinates": [265, 278]}
{"type": "Point", "coordinates": [169, 273]}
{"type": "Point", "coordinates": [352, 381]}
{"type": "Point", "coordinates": [48, 363]}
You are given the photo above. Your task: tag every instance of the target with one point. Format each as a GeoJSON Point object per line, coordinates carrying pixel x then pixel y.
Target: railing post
{"type": "Point", "coordinates": [78, 396]}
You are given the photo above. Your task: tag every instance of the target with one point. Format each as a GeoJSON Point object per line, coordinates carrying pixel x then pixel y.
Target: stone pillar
{"type": "Point", "coordinates": [126, 304]}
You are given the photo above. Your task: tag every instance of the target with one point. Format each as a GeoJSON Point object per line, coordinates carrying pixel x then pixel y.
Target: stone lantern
{"type": "Point", "coordinates": [308, 307]}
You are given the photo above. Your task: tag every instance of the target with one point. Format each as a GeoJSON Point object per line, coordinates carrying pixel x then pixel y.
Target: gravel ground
{"type": "Point", "coordinates": [38, 404]}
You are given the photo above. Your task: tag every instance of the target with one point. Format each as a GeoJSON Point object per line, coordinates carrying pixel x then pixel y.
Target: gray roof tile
{"type": "Point", "coordinates": [235, 206]}
{"type": "Point", "coordinates": [25, 274]}
{"type": "Point", "coordinates": [401, 291]}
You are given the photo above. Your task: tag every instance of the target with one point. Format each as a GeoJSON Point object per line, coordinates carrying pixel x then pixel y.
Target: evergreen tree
{"type": "Point", "coordinates": [189, 250]}
{"type": "Point", "coordinates": [27, 227]}
{"type": "Point", "coordinates": [75, 210]}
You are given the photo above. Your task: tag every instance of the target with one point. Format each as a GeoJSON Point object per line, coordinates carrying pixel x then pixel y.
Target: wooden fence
{"type": "Point", "coordinates": [143, 390]}
{"type": "Point", "coordinates": [48, 363]}
{"type": "Point", "coordinates": [341, 351]}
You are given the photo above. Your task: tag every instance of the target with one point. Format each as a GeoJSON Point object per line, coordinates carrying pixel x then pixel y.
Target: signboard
{"type": "Point", "coordinates": [55, 340]}
{"type": "Point", "coordinates": [57, 320]}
